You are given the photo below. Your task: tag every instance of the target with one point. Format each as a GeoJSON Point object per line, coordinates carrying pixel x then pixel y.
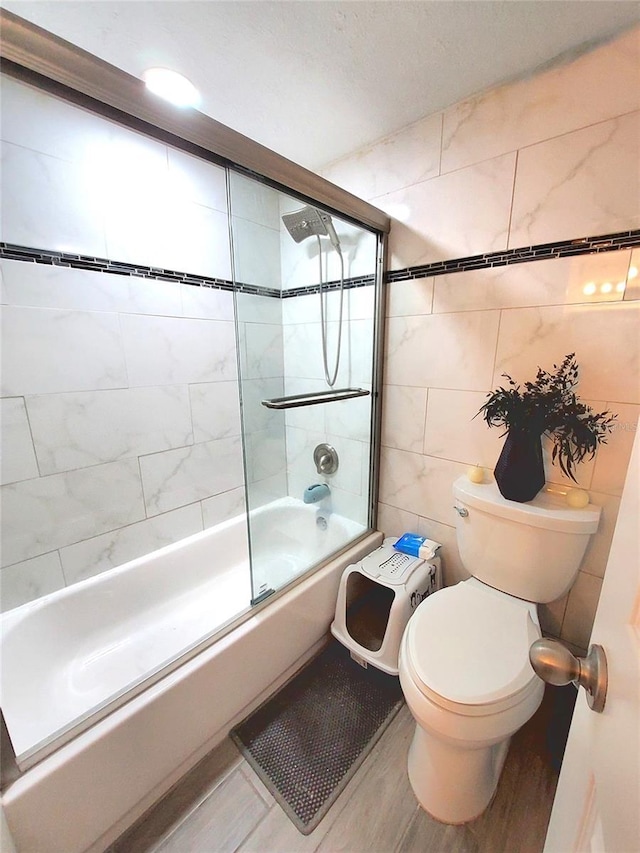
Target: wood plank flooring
{"type": "Point", "coordinates": [223, 807]}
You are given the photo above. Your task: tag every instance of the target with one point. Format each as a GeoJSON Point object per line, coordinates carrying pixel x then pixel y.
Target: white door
{"type": "Point", "coordinates": [597, 804]}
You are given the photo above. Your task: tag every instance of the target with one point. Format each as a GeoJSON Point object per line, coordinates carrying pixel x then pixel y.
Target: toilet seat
{"type": "Point", "coordinates": [484, 633]}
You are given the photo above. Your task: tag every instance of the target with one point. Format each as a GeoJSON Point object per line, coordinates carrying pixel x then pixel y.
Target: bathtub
{"type": "Point", "coordinates": [130, 681]}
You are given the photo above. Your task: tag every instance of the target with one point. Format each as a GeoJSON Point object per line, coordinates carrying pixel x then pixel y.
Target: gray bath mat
{"type": "Point", "coordinates": [308, 740]}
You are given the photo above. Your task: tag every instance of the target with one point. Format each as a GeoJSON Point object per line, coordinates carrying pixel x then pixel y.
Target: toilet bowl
{"type": "Point", "coordinates": [464, 723]}
{"type": "Point", "coordinates": [464, 657]}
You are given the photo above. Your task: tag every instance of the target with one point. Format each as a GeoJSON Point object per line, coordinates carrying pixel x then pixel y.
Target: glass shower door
{"type": "Point", "coordinates": [307, 459]}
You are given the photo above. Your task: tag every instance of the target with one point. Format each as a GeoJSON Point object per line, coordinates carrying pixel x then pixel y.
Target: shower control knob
{"type": "Point", "coordinates": [556, 664]}
{"type": "Point", "coordinates": [325, 458]}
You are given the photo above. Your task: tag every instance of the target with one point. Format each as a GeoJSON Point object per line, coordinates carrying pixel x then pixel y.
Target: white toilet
{"type": "Point", "coordinates": [464, 657]}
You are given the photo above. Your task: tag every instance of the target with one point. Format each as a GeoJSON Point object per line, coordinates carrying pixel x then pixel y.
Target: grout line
{"type": "Point", "coordinates": [513, 196]}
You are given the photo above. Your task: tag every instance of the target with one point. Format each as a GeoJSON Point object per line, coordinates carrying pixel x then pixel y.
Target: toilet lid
{"type": "Point", "coordinates": [486, 633]}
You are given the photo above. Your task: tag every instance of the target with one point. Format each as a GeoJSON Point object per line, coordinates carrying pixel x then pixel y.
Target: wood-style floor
{"type": "Point", "coordinates": [222, 806]}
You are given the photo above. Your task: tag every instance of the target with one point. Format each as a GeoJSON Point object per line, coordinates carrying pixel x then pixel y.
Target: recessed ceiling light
{"type": "Point", "coordinates": [171, 86]}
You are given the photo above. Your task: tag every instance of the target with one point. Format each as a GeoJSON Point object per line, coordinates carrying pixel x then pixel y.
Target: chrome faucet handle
{"type": "Point", "coordinates": [554, 663]}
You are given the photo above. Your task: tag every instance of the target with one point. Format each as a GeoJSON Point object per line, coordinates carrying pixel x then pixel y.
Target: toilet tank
{"type": "Point", "coordinates": [530, 550]}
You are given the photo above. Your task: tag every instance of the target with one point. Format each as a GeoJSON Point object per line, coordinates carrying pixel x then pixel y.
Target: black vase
{"type": "Point", "coordinates": [519, 471]}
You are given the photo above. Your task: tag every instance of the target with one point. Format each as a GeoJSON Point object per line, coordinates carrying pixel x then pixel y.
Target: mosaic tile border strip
{"type": "Point", "coordinates": [540, 252]}
{"type": "Point", "coordinates": [349, 283]}
{"type": "Point", "coordinates": [104, 265]}
{"type": "Point", "coordinates": [14, 252]}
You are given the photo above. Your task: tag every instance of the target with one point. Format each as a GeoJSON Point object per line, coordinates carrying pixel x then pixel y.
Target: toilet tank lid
{"type": "Point", "coordinates": [545, 510]}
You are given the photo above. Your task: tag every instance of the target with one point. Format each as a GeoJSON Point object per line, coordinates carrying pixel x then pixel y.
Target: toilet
{"type": "Point", "coordinates": [464, 657]}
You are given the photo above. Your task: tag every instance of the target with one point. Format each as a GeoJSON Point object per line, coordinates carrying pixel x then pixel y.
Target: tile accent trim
{"type": "Point", "coordinates": [349, 283]}
{"type": "Point", "coordinates": [28, 254]}
{"type": "Point", "coordinates": [540, 252]}
{"type": "Point", "coordinates": [104, 265]}
{"type": "Point", "coordinates": [526, 254]}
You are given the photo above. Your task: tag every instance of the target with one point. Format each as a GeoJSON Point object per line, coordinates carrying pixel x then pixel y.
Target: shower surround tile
{"type": "Point", "coordinates": [61, 130]}
{"type": "Point", "coordinates": [101, 553]}
{"type": "Point", "coordinates": [409, 298]}
{"type": "Point", "coordinates": [224, 506]}
{"type": "Point", "coordinates": [162, 350]}
{"type": "Point", "coordinates": [394, 522]}
{"type": "Point", "coordinates": [349, 419]}
{"type": "Point", "coordinates": [595, 558]}
{"type": "Point", "coordinates": [256, 253]}
{"type": "Point", "coordinates": [18, 460]}
{"type": "Point", "coordinates": [48, 286]}
{"type": "Point", "coordinates": [452, 569]}
{"type": "Point", "coordinates": [168, 234]}
{"type": "Point", "coordinates": [302, 345]}
{"type": "Point", "coordinates": [356, 358]}
{"type": "Point", "coordinates": [586, 182]}
{"type": "Point", "coordinates": [256, 416]}
{"type": "Point", "coordinates": [462, 213]}
{"type": "Point", "coordinates": [266, 453]}
{"type": "Point", "coordinates": [215, 410]}
{"type": "Point", "coordinates": [255, 308]}
{"type": "Point", "coordinates": [596, 86]}
{"type": "Point", "coordinates": [452, 430]}
{"type": "Point", "coordinates": [46, 351]}
{"type": "Point", "coordinates": [558, 281]}
{"type": "Point", "coordinates": [206, 303]}
{"type": "Point", "coordinates": [50, 203]}
{"type": "Point", "coordinates": [254, 201]}
{"type": "Point", "coordinates": [403, 417]}
{"type": "Point", "coordinates": [410, 480]}
{"type": "Point", "coordinates": [581, 609]}
{"type": "Point", "coordinates": [391, 163]}
{"type": "Point", "coordinates": [426, 351]}
{"type": "Point", "coordinates": [92, 427]}
{"type": "Point", "coordinates": [566, 143]}
{"type": "Point", "coordinates": [603, 336]}
{"type": "Point", "coordinates": [45, 514]}
{"type": "Point", "coordinates": [300, 266]}
{"type": "Point", "coordinates": [30, 579]}
{"type": "Point", "coordinates": [179, 477]}
{"type": "Point", "coordinates": [44, 286]}
{"type": "Point", "coordinates": [195, 180]}
{"type": "Point", "coordinates": [262, 350]}
{"type": "Point", "coordinates": [612, 458]}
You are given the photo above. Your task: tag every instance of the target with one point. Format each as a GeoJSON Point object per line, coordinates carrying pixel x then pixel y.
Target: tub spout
{"type": "Point", "coordinates": [315, 493]}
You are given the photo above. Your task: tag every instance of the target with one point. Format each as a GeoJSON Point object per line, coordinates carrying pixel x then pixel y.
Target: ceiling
{"type": "Point", "coordinates": [317, 79]}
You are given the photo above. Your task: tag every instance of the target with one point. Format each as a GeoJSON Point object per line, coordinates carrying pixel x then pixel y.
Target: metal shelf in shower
{"type": "Point", "coordinates": [294, 401]}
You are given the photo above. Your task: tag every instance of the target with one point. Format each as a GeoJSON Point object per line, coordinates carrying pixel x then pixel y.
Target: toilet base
{"type": "Point", "coordinates": [454, 785]}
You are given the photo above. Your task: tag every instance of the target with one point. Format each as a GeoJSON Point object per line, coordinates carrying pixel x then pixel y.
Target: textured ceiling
{"type": "Point", "coordinates": [318, 79]}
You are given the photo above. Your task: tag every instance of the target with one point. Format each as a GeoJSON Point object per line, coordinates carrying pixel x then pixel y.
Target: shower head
{"type": "Point", "coordinates": [309, 221]}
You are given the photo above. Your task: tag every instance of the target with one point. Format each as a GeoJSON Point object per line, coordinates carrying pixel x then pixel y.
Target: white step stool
{"type": "Point", "coordinates": [376, 597]}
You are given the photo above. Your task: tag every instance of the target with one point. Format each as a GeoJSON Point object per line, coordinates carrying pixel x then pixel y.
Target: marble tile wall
{"type": "Point", "coordinates": [120, 402]}
{"type": "Point", "coordinates": [120, 394]}
{"type": "Point", "coordinates": [554, 157]}
{"type": "Point", "coordinates": [345, 425]}
{"type": "Point", "coordinates": [121, 430]}
{"type": "Point", "coordinates": [282, 354]}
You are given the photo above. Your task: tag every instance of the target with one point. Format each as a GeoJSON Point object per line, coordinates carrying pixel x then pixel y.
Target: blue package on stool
{"type": "Point", "coordinates": [409, 543]}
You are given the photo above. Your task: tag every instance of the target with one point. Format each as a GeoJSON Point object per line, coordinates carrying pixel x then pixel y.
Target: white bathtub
{"type": "Point", "coordinates": [69, 659]}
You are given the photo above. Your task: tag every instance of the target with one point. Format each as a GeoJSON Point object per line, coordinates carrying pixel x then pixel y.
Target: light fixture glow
{"type": "Point", "coordinates": [633, 272]}
{"type": "Point", "coordinates": [607, 287]}
{"type": "Point", "coordinates": [171, 86]}
{"type": "Point", "coordinates": [589, 289]}
{"type": "Point", "coordinates": [621, 286]}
